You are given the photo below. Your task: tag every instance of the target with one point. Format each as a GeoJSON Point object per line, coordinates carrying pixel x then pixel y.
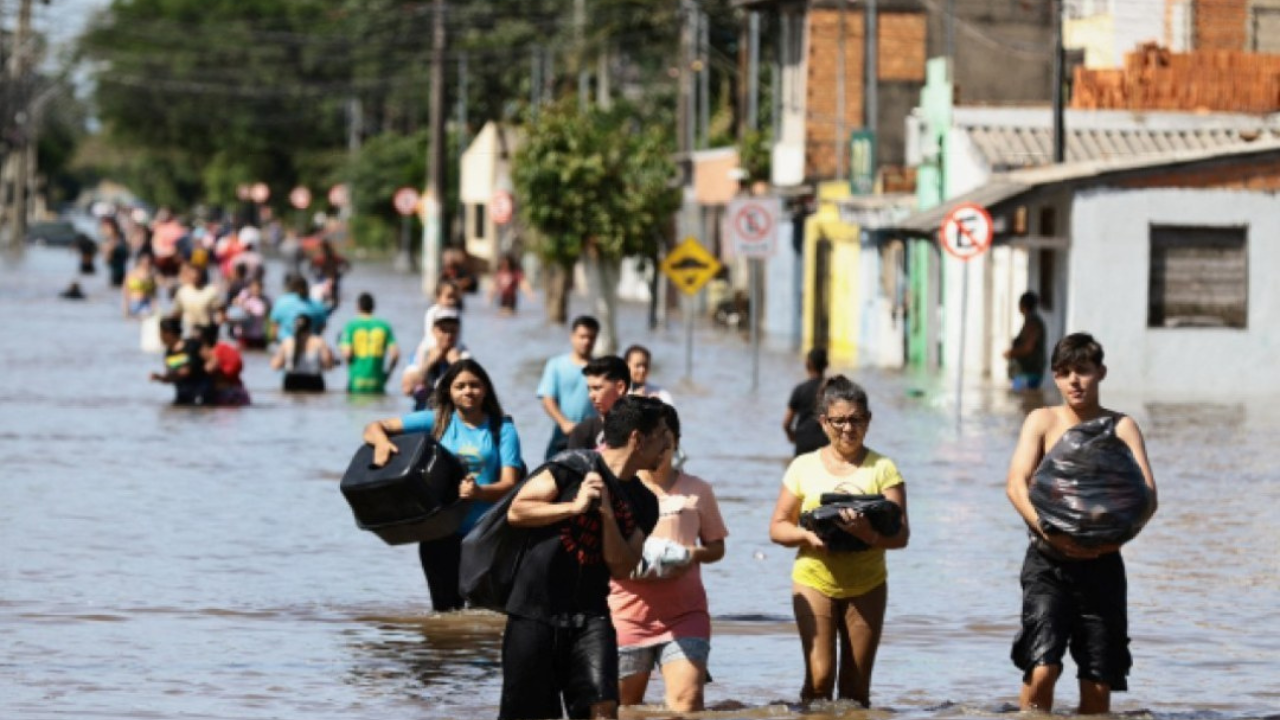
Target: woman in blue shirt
{"type": "Point", "coordinates": [468, 421]}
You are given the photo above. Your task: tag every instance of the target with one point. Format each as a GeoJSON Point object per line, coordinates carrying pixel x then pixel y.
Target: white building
{"type": "Point", "coordinates": [1168, 259]}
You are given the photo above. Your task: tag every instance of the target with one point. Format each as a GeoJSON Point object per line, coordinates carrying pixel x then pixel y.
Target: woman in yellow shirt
{"type": "Point", "coordinates": [839, 594]}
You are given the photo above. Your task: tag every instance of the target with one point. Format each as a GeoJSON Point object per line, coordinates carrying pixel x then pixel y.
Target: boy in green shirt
{"type": "Point", "coordinates": [369, 347]}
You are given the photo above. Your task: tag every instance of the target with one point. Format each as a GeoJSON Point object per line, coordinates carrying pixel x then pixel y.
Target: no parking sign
{"type": "Point", "coordinates": [967, 231]}
{"type": "Point", "coordinates": [752, 226]}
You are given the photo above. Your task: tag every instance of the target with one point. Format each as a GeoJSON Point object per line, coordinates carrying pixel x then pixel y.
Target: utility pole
{"type": "Point", "coordinates": [579, 30]}
{"type": "Point", "coordinates": [704, 79]}
{"type": "Point", "coordinates": [872, 92]}
{"type": "Point", "coordinates": [1059, 61]}
{"type": "Point", "coordinates": [18, 87]}
{"type": "Point", "coordinates": [535, 79]}
{"type": "Point", "coordinates": [604, 93]}
{"type": "Point", "coordinates": [753, 71]}
{"type": "Point", "coordinates": [432, 232]}
{"type": "Point", "coordinates": [841, 99]}
{"type": "Point", "coordinates": [461, 105]}
{"type": "Point", "coordinates": [684, 101]}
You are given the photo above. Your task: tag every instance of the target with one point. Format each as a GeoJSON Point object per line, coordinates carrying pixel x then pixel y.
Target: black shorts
{"type": "Point", "coordinates": [544, 665]}
{"type": "Point", "coordinates": [1080, 604]}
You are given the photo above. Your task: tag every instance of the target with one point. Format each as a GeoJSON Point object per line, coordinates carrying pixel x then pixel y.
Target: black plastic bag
{"type": "Point", "coordinates": [1089, 486]}
{"type": "Point", "coordinates": [884, 515]}
{"type": "Point", "coordinates": [492, 551]}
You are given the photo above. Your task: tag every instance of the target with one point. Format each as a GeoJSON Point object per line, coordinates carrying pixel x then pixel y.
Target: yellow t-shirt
{"type": "Point", "coordinates": [839, 574]}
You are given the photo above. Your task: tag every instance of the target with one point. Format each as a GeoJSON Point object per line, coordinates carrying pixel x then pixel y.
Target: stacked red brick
{"type": "Point", "coordinates": [1153, 78]}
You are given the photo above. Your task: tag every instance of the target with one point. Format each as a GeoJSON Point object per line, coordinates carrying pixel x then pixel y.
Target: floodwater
{"type": "Point", "coordinates": [163, 563]}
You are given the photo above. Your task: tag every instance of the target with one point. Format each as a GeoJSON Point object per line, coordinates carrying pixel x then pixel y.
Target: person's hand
{"type": "Point", "coordinates": [382, 452]}
{"type": "Point", "coordinates": [468, 489]}
{"type": "Point", "coordinates": [811, 540]}
{"type": "Point", "coordinates": [857, 525]}
{"type": "Point", "coordinates": [156, 377]}
{"type": "Point", "coordinates": [1007, 354]}
{"type": "Point", "coordinates": [590, 492]}
{"type": "Point", "coordinates": [567, 426]}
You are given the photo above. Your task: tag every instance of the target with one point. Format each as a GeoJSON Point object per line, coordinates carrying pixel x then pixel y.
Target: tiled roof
{"type": "Point", "coordinates": [1008, 139]}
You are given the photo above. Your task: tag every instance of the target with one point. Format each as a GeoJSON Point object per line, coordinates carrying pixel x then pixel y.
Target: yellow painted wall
{"type": "Point", "coordinates": [845, 309]}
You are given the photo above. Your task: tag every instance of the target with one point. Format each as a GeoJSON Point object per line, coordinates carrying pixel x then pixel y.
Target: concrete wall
{"type": "Point", "coordinates": [782, 298]}
{"type": "Point", "coordinates": [1109, 269]}
{"type": "Point", "coordinates": [1001, 49]}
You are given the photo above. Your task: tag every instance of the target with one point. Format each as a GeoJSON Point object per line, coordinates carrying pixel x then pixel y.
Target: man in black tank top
{"type": "Point", "coordinates": [1027, 356]}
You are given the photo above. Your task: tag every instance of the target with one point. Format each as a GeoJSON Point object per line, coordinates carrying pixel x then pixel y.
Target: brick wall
{"type": "Point", "coordinates": [1220, 24]}
{"type": "Point", "coordinates": [900, 58]}
{"type": "Point", "coordinates": [1155, 79]}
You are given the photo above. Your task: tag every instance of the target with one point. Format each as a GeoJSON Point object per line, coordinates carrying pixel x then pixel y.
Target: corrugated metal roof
{"type": "Point", "coordinates": [1012, 138]}
{"type": "Point", "coordinates": [1005, 186]}
{"type": "Point", "coordinates": [1009, 148]}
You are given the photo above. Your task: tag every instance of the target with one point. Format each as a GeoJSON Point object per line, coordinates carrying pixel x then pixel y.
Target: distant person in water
{"type": "Point", "coordinates": [223, 363]}
{"type": "Point", "coordinates": [304, 356]}
{"type": "Point", "coordinates": [183, 367]}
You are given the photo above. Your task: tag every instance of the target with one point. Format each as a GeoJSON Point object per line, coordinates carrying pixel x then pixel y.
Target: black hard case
{"type": "Point", "coordinates": [413, 498]}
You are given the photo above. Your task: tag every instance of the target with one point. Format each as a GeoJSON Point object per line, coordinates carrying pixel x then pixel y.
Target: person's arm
{"type": "Point", "coordinates": [508, 451]}
{"type": "Point", "coordinates": [378, 434]}
{"type": "Point", "coordinates": [326, 353]}
{"type": "Point", "coordinates": [552, 409]}
{"type": "Point", "coordinates": [393, 357]}
{"type": "Point", "coordinates": [1128, 431]}
{"type": "Point", "coordinates": [1027, 340]}
{"type": "Point", "coordinates": [344, 344]}
{"type": "Point", "coordinates": [621, 554]}
{"type": "Point", "coordinates": [1026, 457]}
{"type": "Point", "coordinates": [282, 351]}
{"type": "Point", "coordinates": [550, 403]}
{"type": "Point", "coordinates": [784, 527]}
{"type": "Point", "coordinates": [788, 424]}
{"type": "Point", "coordinates": [535, 505]}
{"type": "Point", "coordinates": [708, 553]}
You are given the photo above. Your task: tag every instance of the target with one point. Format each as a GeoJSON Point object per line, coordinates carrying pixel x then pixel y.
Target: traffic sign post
{"type": "Point", "coordinates": [966, 233]}
{"type": "Point", "coordinates": [502, 207]}
{"type": "Point", "coordinates": [406, 203]}
{"type": "Point", "coordinates": [753, 229]}
{"type": "Point", "coordinates": [690, 267]}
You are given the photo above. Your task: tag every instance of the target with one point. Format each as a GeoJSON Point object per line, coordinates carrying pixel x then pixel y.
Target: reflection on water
{"type": "Point", "coordinates": [169, 563]}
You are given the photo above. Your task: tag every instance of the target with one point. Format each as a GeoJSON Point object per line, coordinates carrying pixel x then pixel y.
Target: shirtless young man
{"type": "Point", "coordinates": [1072, 595]}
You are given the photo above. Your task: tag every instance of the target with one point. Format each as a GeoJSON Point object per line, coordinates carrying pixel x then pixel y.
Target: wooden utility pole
{"type": "Point", "coordinates": [433, 228]}
{"type": "Point", "coordinates": [18, 65]}
{"type": "Point", "coordinates": [684, 102]}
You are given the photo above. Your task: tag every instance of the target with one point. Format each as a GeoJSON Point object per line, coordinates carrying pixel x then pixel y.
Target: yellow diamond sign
{"type": "Point", "coordinates": [690, 266]}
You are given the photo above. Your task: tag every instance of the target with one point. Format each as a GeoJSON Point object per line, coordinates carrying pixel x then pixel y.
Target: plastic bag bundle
{"type": "Point", "coordinates": [661, 558]}
{"type": "Point", "coordinates": [1089, 486]}
{"type": "Point", "coordinates": [885, 517]}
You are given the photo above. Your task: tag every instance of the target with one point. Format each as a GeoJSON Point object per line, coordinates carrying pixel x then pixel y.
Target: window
{"type": "Point", "coordinates": [1264, 27]}
{"type": "Point", "coordinates": [1048, 272]}
{"type": "Point", "coordinates": [481, 219]}
{"type": "Point", "coordinates": [1199, 277]}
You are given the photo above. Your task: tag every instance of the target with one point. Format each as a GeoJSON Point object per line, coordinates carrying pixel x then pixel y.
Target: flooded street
{"type": "Point", "coordinates": [163, 563]}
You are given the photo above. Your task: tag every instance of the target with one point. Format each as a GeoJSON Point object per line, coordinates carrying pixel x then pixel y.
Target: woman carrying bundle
{"type": "Point", "coordinates": [839, 594]}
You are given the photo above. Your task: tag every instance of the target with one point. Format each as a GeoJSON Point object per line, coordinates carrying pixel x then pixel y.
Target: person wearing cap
{"type": "Point", "coordinates": [419, 380]}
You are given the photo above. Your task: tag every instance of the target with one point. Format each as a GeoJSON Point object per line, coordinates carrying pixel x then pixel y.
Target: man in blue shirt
{"type": "Point", "coordinates": [294, 303]}
{"type": "Point", "coordinates": [563, 389]}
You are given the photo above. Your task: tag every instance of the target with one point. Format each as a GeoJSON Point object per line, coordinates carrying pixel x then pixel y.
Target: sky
{"type": "Point", "coordinates": [59, 20]}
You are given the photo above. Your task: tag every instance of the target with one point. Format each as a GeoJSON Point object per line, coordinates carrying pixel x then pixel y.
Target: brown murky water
{"type": "Point", "coordinates": [163, 563]}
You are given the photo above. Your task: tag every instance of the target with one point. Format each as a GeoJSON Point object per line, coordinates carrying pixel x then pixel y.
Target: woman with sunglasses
{"type": "Point", "coordinates": [468, 421]}
{"type": "Point", "coordinates": [839, 595]}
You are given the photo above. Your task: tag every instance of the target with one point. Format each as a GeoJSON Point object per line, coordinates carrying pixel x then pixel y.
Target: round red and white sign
{"type": "Point", "coordinates": [967, 231]}
{"type": "Point", "coordinates": [502, 207]}
{"type": "Point", "coordinates": [405, 200]}
{"type": "Point", "coordinates": [339, 196]}
{"type": "Point", "coordinates": [300, 197]}
{"type": "Point", "coordinates": [260, 193]}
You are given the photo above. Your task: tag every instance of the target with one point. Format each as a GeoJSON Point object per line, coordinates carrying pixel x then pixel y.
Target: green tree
{"type": "Point", "coordinates": [596, 186]}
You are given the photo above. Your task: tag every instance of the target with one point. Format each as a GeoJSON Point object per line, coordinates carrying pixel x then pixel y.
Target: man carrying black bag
{"type": "Point", "coordinates": [559, 650]}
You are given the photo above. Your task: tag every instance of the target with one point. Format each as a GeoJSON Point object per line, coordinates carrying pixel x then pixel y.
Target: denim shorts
{"type": "Point", "coordinates": [635, 660]}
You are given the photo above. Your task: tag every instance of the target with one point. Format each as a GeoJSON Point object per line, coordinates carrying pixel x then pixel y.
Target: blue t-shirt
{"type": "Point", "coordinates": [289, 307]}
{"type": "Point", "coordinates": [473, 446]}
{"type": "Point", "coordinates": [562, 379]}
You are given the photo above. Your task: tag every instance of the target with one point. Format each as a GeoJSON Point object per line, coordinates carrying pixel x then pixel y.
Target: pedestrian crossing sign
{"type": "Point", "coordinates": [690, 266]}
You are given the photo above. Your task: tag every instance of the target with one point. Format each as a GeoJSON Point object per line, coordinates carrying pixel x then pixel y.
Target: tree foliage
{"type": "Point", "coordinates": [594, 180]}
